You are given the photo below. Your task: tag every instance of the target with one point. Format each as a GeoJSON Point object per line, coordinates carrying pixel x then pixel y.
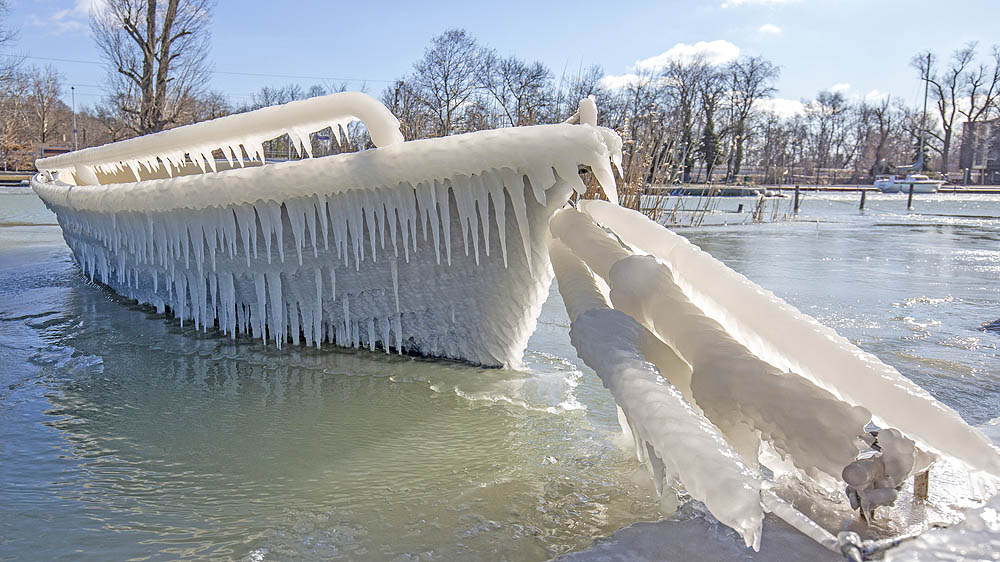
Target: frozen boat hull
{"type": "Point", "coordinates": [290, 272]}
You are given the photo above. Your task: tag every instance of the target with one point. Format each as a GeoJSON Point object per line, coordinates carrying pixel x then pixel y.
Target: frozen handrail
{"type": "Point", "coordinates": [297, 119]}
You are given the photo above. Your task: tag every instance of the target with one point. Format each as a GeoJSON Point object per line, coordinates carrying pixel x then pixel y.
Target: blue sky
{"type": "Point", "coordinates": [862, 47]}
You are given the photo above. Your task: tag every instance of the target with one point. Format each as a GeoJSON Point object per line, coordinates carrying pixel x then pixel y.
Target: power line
{"type": "Point", "coordinates": [226, 72]}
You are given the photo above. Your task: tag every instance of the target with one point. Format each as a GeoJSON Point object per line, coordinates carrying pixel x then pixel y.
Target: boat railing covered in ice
{"type": "Point", "coordinates": [434, 247]}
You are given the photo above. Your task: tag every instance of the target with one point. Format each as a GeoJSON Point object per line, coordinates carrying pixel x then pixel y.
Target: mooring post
{"type": "Point", "coordinates": [921, 483]}
{"type": "Point", "coordinates": [864, 194]}
{"type": "Point", "coordinates": [740, 208]}
{"type": "Point", "coordinates": [909, 201]}
{"type": "Point", "coordinates": [796, 204]}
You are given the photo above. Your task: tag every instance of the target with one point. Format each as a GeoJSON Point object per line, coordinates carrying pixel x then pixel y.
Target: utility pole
{"type": "Point", "coordinates": [72, 92]}
{"type": "Point", "coordinates": [923, 117]}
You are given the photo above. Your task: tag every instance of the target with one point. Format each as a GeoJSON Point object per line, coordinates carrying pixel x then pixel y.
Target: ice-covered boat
{"type": "Point", "coordinates": [434, 247]}
{"type": "Point", "coordinates": [446, 247]}
{"type": "Point", "coordinates": [919, 182]}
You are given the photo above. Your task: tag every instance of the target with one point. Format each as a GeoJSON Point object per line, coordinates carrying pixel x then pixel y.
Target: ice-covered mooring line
{"type": "Point", "coordinates": [706, 367]}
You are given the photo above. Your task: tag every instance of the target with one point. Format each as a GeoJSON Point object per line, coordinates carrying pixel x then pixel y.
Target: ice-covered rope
{"type": "Point", "coordinates": [233, 135]}
{"type": "Point", "coordinates": [668, 407]}
{"type": "Point", "coordinates": [781, 335]}
{"type": "Point", "coordinates": [655, 412]}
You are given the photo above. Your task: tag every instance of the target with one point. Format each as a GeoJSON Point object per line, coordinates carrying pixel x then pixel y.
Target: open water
{"type": "Point", "coordinates": [125, 437]}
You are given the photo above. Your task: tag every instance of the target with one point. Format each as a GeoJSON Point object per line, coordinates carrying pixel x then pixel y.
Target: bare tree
{"type": "Point", "coordinates": [521, 90]}
{"type": "Point", "coordinates": [947, 90]}
{"type": "Point", "coordinates": [712, 89]}
{"type": "Point", "coordinates": [445, 78]}
{"type": "Point", "coordinates": [982, 92]}
{"type": "Point", "coordinates": [683, 80]}
{"type": "Point", "coordinates": [752, 79]}
{"type": "Point", "coordinates": [883, 115]}
{"type": "Point", "coordinates": [157, 57]}
{"type": "Point", "coordinates": [8, 64]}
{"type": "Point", "coordinates": [405, 103]}
{"type": "Point", "coordinates": [44, 92]}
{"type": "Point", "coordinates": [14, 122]}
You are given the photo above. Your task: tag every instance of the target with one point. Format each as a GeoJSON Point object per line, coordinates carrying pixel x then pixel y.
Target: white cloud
{"type": "Point", "coordinates": [85, 6]}
{"type": "Point", "coordinates": [66, 20]}
{"type": "Point", "coordinates": [737, 3]}
{"type": "Point", "coordinates": [719, 51]}
{"type": "Point", "coordinates": [616, 82]}
{"type": "Point", "coordinates": [839, 87]}
{"type": "Point", "coordinates": [875, 96]}
{"type": "Point", "coordinates": [712, 52]}
{"type": "Point", "coordinates": [769, 29]}
{"type": "Point", "coordinates": [782, 107]}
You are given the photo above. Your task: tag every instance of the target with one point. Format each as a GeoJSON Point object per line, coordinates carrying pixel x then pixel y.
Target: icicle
{"type": "Point", "coordinates": [541, 179]}
{"type": "Point", "coordinates": [292, 312]}
{"type": "Point", "coordinates": [323, 221]}
{"type": "Point", "coordinates": [371, 334]}
{"type": "Point", "coordinates": [310, 211]}
{"type": "Point", "coordinates": [460, 189]}
{"type": "Point", "coordinates": [347, 314]}
{"type": "Point", "coordinates": [392, 215]}
{"type": "Point", "coordinates": [275, 209]}
{"type": "Point", "coordinates": [395, 281]}
{"type": "Point", "coordinates": [372, 206]}
{"type": "Point", "coordinates": [258, 280]}
{"type": "Point", "coordinates": [385, 335]}
{"type": "Point", "coordinates": [318, 308]}
{"type": "Point", "coordinates": [399, 333]}
{"type": "Point", "coordinates": [380, 197]}
{"type": "Point", "coordinates": [427, 197]}
{"type": "Point", "coordinates": [494, 186]}
{"type": "Point", "coordinates": [483, 210]}
{"type": "Point", "coordinates": [514, 182]}
{"type": "Point", "coordinates": [296, 218]}
{"type": "Point", "coordinates": [246, 217]}
{"type": "Point", "coordinates": [333, 282]}
{"type": "Point", "coordinates": [444, 212]}
{"type": "Point", "coordinates": [277, 316]}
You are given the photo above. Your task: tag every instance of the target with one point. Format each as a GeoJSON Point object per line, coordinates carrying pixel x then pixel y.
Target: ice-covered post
{"type": "Point", "coordinates": [921, 484]}
{"type": "Point", "coordinates": [796, 204]}
{"type": "Point", "coordinates": [864, 194]}
{"type": "Point", "coordinates": [909, 200]}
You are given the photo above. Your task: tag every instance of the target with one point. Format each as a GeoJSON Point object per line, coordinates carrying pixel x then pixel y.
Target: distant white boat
{"type": "Point", "coordinates": [920, 183]}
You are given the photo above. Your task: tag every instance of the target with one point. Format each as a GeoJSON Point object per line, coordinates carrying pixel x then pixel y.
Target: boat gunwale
{"type": "Point", "coordinates": [383, 167]}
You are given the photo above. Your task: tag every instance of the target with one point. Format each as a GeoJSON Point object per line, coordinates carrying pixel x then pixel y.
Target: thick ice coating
{"type": "Point", "coordinates": [249, 130]}
{"type": "Point", "coordinates": [781, 335]}
{"type": "Point", "coordinates": [670, 435]}
{"type": "Point", "coordinates": [542, 153]}
{"type": "Point", "coordinates": [743, 395]}
{"type": "Point", "coordinates": [433, 247]}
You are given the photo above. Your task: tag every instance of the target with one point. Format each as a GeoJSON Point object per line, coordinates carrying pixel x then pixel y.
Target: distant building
{"type": "Point", "coordinates": [980, 151]}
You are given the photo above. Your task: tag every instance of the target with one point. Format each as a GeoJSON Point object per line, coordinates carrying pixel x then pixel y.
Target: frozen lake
{"type": "Point", "coordinates": [124, 436]}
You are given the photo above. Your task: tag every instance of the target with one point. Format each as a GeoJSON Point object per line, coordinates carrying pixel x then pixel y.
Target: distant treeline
{"type": "Point", "coordinates": [688, 120]}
